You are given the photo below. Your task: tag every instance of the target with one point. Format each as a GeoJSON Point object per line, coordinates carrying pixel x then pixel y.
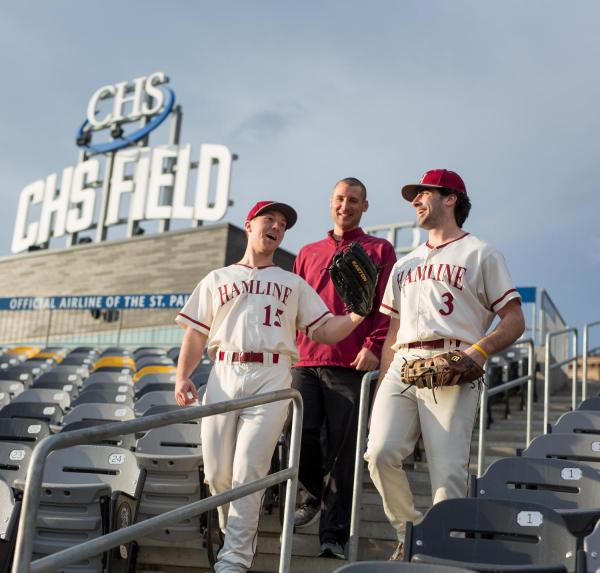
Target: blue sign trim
{"type": "Point", "coordinates": [92, 301]}
{"type": "Point", "coordinates": [528, 294]}
{"type": "Point", "coordinates": [127, 140]}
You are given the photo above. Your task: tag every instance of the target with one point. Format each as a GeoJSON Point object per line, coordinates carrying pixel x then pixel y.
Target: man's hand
{"type": "Point", "coordinates": [365, 360]}
{"type": "Point", "coordinates": [184, 387]}
{"type": "Point", "coordinates": [475, 355]}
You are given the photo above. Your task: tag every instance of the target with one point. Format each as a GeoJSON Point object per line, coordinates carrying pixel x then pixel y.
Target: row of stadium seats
{"type": "Point", "coordinates": [538, 511]}
{"type": "Point", "coordinates": [89, 490]}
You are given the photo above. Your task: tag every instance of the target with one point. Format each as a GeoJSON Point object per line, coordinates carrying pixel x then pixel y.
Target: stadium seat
{"type": "Point", "coordinates": [4, 398]}
{"type": "Point", "coordinates": [168, 377]}
{"type": "Point", "coordinates": [397, 567]}
{"type": "Point", "coordinates": [12, 387]}
{"type": "Point", "coordinates": [78, 360]}
{"type": "Point", "coordinates": [14, 463]}
{"type": "Point", "coordinates": [93, 396]}
{"type": "Point", "coordinates": [200, 375]}
{"type": "Point", "coordinates": [570, 488]}
{"type": "Point", "coordinates": [592, 403]}
{"type": "Point", "coordinates": [60, 376]}
{"type": "Point", "coordinates": [115, 412]}
{"type": "Point", "coordinates": [127, 441]}
{"type": "Point", "coordinates": [45, 411]}
{"type": "Point", "coordinates": [123, 364]}
{"type": "Point", "coordinates": [81, 371]}
{"type": "Point", "coordinates": [173, 353]}
{"type": "Point", "coordinates": [152, 399]}
{"type": "Point", "coordinates": [153, 370]}
{"type": "Point", "coordinates": [153, 361]}
{"type": "Point", "coordinates": [114, 387]}
{"type": "Point", "coordinates": [172, 457]}
{"type": "Point", "coordinates": [69, 388]}
{"type": "Point", "coordinates": [155, 387]}
{"type": "Point", "coordinates": [148, 351]}
{"type": "Point", "coordinates": [25, 430]}
{"type": "Point", "coordinates": [111, 377]}
{"type": "Point", "coordinates": [26, 378]}
{"type": "Point", "coordinates": [48, 395]}
{"type": "Point", "coordinates": [583, 448]}
{"type": "Point", "coordinates": [165, 408]}
{"type": "Point", "coordinates": [88, 491]}
{"type": "Point", "coordinates": [493, 536]}
{"type": "Point", "coordinates": [9, 519]}
{"type": "Point", "coordinates": [578, 422]}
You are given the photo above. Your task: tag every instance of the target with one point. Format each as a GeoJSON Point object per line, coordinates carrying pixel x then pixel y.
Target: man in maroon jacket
{"type": "Point", "coordinates": [329, 377]}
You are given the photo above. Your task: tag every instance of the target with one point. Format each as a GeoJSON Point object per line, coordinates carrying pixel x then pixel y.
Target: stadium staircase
{"type": "Point", "coordinates": [377, 539]}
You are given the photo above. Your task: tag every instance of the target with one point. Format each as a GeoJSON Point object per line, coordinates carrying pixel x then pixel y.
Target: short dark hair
{"type": "Point", "coordinates": [462, 207]}
{"type": "Point", "coordinates": [353, 182]}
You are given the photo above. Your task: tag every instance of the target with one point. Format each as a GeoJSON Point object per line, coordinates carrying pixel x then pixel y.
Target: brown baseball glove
{"type": "Point", "coordinates": [446, 369]}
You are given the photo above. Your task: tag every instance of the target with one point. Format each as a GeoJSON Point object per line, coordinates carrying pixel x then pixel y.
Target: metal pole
{"type": "Point", "coordinates": [482, 427]}
{"type": "Point", "coordinates": [100, 227]}
{"type": "Point", "coordinates": [49, 327]}
{"type": "Point", "coordinates": [584, 373]}
{"type": "Point", "coordinates": [574, 391]}
{"type": "Point", "coordinates": [361, 438]}
{"type": "Point", "coordinates": [530, 387]}
{"type": "Point", "coordinates": [546, 381]}
{"type": "Point", "coordinates": [120, 327]}
{"type": "Point", "coordinates": [291, 489]}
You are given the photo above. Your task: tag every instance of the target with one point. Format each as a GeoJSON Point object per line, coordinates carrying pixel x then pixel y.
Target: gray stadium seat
{"type": "Point", "coordinates": [592, 403]}
{"type": "Point", "coordinates": [125, 441]}
{"type": "Point", "coordinates": [493, 536]}
{"type": "Point", "coordinates": [155, 387]}
{"type": "Point", "coordinates": [116, 388]}
{"type": "Point", "coordinates": [46, 411]}
{"type": "Point", "coordinates": [4, 398]}
{"type": "Point", "coordinates": [13, 387]}
{"type": "Point", "coordinates": [115, 412]}
{"type": "Point", "coordinates": [110, 377]}
{"type": "Point", "coordinates": [397, 567]}
{"type": "Point", "coordinates": [578, 422]}
{"type": "Point", "coordinates": [66, 369]}
{"type": "Point", "coordinates": [71, 389]}
{"type": "Point", "coordinates": [582, 448]}
{"type": "Point", "coordinates": [25, 430]}
{"type": "Point", "coordinates": [60, 377]}
{"type": "Point", "coordinates": [58, 397]}
{"type": "Point", "coordinates": [570, 488]}
{"type": "Point", "coordinates": [153, 361]}
{"type": "Point", "coordinates": [93, 396]}
{"type": "Point", "coordinates": [154, 378]}
{"type": "Point", "coordinates": [14, 462]}
{"type": "Point", "coordinates": [114, 351]}
{"type": "Point", "coordinates": [153, 399]}
{"type": "Point", "coordinates": [172, 457]}
{"type": "Point", "coordinates": [86, 492]}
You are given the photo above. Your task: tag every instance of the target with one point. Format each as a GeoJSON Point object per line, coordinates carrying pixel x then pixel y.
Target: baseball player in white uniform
{"type": "Point", "coordinates": [247, 315]}
{"type": "Point", "coordinates": [441, 296]}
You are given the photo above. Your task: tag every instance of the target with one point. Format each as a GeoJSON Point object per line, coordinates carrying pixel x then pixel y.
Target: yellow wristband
{"type": "Point", "coordinates": [480, 350]}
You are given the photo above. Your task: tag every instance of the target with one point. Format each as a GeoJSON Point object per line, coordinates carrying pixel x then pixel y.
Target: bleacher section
{"type": "Point", "coordinates": [534, 512]}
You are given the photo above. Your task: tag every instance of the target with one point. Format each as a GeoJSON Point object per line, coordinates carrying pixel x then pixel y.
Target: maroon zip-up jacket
{"type": "Point", "coordinates": [311, 264]}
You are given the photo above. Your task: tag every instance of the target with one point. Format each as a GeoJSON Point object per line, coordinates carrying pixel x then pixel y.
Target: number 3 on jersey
{"type": "Point", "coordinates": [276, 321]}
{"type": "Point", "coordinates": [448, 307]}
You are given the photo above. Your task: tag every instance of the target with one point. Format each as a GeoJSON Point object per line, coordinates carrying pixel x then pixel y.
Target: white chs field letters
{"type": "Point", "coordinates": [55, 207]}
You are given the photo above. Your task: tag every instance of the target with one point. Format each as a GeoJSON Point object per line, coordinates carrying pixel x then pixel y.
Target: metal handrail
{"type": "Point", "coordinates": [548, 367]}
{"type": "Point", "coordinates": [487, 392]}
{"type": "Point", "coordinates": [586, 351]}
{"type": "Point", "coordinates": [32, 493]}
{"type": "Point", "coordinates": [359, 468]}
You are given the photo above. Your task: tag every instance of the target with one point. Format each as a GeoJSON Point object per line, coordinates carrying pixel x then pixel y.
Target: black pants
{"type": "Point", "coordinates": [331, 398]}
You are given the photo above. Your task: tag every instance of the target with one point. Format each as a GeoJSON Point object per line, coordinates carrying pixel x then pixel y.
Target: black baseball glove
{"type": "Point", "coordinates": [354, 276]}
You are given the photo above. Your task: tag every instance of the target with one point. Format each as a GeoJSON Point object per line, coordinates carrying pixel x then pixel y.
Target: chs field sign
{"type": "Point", "coordinates": [153, 183]}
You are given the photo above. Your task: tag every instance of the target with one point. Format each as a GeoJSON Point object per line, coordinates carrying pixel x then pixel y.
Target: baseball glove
{"type": "Point", "coordinates": [354, 276]}
{"type": "Point", "coordinates": [446, 369]}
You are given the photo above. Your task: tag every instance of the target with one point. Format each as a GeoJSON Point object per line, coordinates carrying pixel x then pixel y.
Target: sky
{"type": "Point", "coordinates": [505, 92]}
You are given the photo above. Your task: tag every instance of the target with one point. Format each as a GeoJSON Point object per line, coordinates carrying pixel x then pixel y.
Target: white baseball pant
{"type": "Point", "coordinates": [399, 415]}
{"type": "Point", "coordinates": [237, 448]}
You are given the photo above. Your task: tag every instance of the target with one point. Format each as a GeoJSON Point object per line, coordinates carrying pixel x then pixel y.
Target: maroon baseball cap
{"type": "Point", "coordinates": [263, 206]}
{"type": "Point", "coordinates": [435, 179]}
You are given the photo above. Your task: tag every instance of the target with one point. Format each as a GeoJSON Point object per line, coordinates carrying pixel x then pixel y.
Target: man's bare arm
{"type": "Point", "coordinates": [337, 328]}
{"type": "Point", "coordinates": [190, 354]}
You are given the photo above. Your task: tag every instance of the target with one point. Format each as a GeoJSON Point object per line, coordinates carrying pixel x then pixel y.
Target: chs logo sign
{"type": "Point", "coordinates": [138, 96]}
{"type": "Point", "coordinates": [123, 181]}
